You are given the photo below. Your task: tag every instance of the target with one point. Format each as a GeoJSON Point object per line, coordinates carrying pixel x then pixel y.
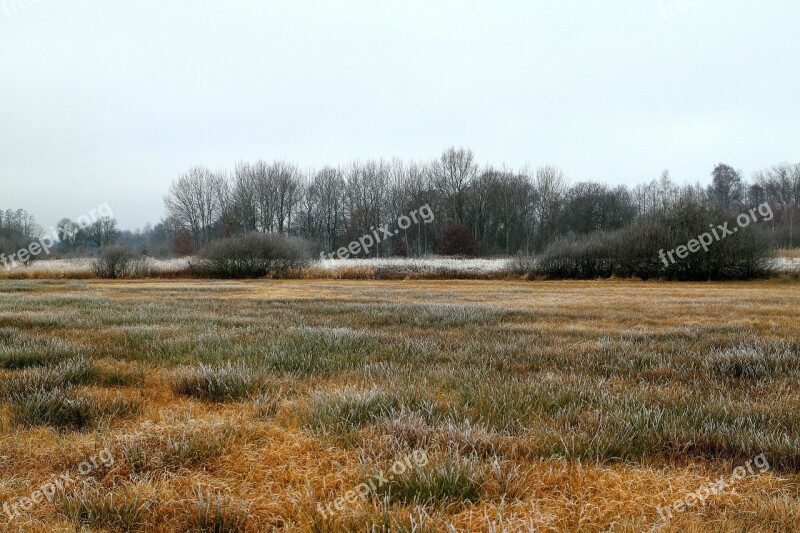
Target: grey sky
{"type": "Point", "coordinates": [109, 101]}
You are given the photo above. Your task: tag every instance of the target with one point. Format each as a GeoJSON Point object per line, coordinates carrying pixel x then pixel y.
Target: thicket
{"type": "Point", "coordinates": [255, 255]}
{"type": "Point", "coordinates": [634, 251]}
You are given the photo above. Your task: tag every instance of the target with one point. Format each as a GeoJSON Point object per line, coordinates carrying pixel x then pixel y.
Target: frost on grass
{"type": "Point", "coordinates": [20, 350]}
{"type": "Point", "coordinates": [222, 383]}
{"type": "Point", "coordinates": [428, 264]}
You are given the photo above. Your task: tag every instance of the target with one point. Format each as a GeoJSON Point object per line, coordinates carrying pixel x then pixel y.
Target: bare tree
{"type": "Point", "coordinates": [512, 199]}
{"type": "Point", "coordinates": [594, 206]}
{"type": "Point", "coordinates": [284, 177]}
{"type": "Point", "coordinates": [69, 234]}
{"type": "Point", "coordinates": [102, 232]}
{"type": "Point", "coordinates": [243, 197]}
{"type": "Point", "coordinates": [780, 185]}
{"type": "Point", "coordinates": [327, 189]}
{"type": "Point", "coordinates": [18, 229]}
{"type": "Point", "coordinates": [507, 211]}
{"type": "Point", "coordinates": [365, 198]}
{"type": "Point", "coordinates": [452, 175]}
{"type": "Point", "coordinates": [725, 190]}
{"type": "Point", "coordinates": [480, 204]}
{"type": "Point", "coordinates": [550, 186]}
{"type": "Point", "coordinates": [196, 201]}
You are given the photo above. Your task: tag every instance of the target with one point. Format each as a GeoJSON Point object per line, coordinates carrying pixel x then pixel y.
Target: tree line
{"type": "Point", "coordinates": [505, 211]}
{"type": "Point", "coordinates": [492, 210]}
{"type": "Point", "coordinates": [18, 229]}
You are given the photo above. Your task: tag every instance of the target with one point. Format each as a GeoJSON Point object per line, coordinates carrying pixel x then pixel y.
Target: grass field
{"type": "Point", "coordinates": [512, 406]}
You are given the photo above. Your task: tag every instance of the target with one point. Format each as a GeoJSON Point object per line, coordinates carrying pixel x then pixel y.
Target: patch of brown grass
{"type": "Point", "coordinates": [789, 253]}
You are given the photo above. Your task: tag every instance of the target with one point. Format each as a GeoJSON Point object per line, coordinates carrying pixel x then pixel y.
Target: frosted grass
{"type": "Point", "coordinates": [66, 267]}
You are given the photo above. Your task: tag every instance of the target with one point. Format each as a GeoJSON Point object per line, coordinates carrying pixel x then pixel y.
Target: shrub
{"type": "Point", "coordinates": [634, 251]}
{"type": "Point", "coordinates": [457, 240]}
{"type": "Point", "coordinates": [182, 244]}
{"type": "Point", "coordinates": [254, 255]}
{"type": "Point", "coordinates": [522, 264]}
{"type": "Point", "coordinates": [399, 248]}
{"type": "Point", "coordinates": [116, 262]}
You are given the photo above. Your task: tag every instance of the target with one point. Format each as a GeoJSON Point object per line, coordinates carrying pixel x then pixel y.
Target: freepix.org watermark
{"type": "Point", "coordinates": [329, 7]}
{"type": "Point", "coordinates": [48, 240]}
{"type": "Point", "coordinates": [13, 8]}
{"type": "Point", "coordinates": [417, 459]}
{"type": "Point", "coordinates": [670, 10]}
{"type": "Point", "coordinates": [704, 240]}
{"type": "Point", "coordinates": [365, 243]}
{"type": "Point", "coordinates": [57, 485]}
{"type": "Point", "coordinates": [698, 497]}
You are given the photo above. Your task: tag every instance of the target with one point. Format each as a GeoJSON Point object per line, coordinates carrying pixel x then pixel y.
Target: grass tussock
{"type": "Point", "coordinates": [215, 513]}
{"type": "Point", "coordinates": [349, 408]}
{"type": "Point", "coordinates": [126, 509]}
{"type": "Point", "coordinates": [18, 350]}
{"type": "Point", "coordinates": [223, 383]}
{"type": "Point", "coordinates": [68, 409]}
{"type": "Point", "coordinates": [66, 374]}
{"type": "Point", "coordinates": [443, 481]}
{"type": "Point", "coordinates": [173, 448]}
{"type": "Point", "coordinates": [344, 410]}
{"type": "Point", "coordinates": [755, 361]}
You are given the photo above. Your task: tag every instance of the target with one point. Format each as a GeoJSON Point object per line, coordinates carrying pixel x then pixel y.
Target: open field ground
{"type": "Point", "coordinates": [511, 406]}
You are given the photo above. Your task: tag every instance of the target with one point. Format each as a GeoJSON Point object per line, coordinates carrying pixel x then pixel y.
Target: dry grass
{"type": "Point", "coordinates": [254, 406]}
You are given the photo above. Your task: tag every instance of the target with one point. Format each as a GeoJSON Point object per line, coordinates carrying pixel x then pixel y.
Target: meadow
{"type": "Point", "coordinates": [270, 405]}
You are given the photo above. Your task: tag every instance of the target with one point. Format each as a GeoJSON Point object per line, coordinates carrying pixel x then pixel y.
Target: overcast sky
{"type": "Point", "coordinates": [108, 101]}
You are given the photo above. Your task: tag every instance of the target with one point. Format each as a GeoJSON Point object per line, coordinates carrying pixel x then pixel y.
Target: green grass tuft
{"type": "Point", "coordinates": [448, 480]}
{"type": "Point", "coordinates": [225, 383]}
{"type": "Point", "coordinates": [66, 409]}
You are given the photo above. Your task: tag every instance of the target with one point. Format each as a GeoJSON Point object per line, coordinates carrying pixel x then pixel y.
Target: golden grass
{"type": "Point", "coordinates": [451, 362]}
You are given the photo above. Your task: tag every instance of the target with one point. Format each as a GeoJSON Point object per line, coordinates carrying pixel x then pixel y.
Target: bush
{"type": "Point", "coordinates": [522, 264]}
{"type": "Point", "coordinates": [182, 244]}
{"type": "Point", "coordinates": [116, 262]}
{"type": "Point", "coordinates": [457, 240]}
{"type": "Point", "coordinates": [634, 251]}
{"type": "Point", "coordinates": [399, 248]}
{"type": "Point", "coordinates": [254, 255]}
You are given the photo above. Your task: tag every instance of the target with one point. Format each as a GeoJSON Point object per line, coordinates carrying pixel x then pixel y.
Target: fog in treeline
{"type": "Point", "coordinates": [507, 211]}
